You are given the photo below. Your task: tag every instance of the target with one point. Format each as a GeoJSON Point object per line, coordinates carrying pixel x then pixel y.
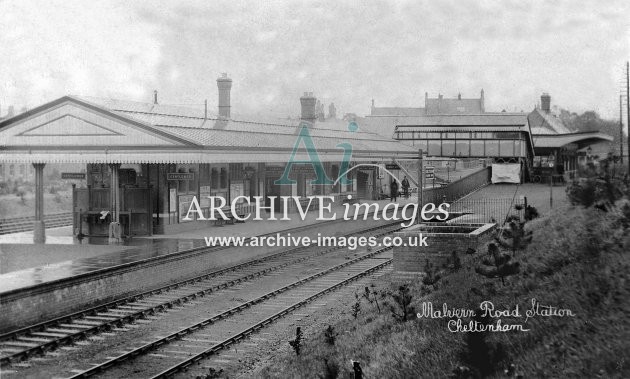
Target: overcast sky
{"type": "Point", "coordinates": [345, 52]}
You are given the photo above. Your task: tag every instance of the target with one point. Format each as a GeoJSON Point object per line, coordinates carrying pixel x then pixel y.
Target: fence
{"type": "Point", "coordinates": [458, 188]}
{"type": "Point", "coordinates": [24, 224]}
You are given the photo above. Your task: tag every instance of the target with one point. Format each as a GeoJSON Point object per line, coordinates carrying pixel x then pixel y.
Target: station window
{"type": "Point", "coordinates": [492, 148]}
{"type": "Point", "coordinates": [448, 148]}
{"type": "Point", "coordinates": [1, 170]}
{"type": "Point", "coordinates": [12, 170]}
{"type": "Point", "coordinates": [214, 178]}
{"type": "Point", "coordinates": [204, 174]}
{"type": "Point", "coordinates": [506, 148]}
{"type": "Point", "coordinates": [223, 178]}
{"type": "Point", "coordinates": [476, 148]}
{"type": "Point", "coordinates": [22, 170]}
{"type": "Point", "coordinates": [434, 147]}
{"type": "Point", "coordinates": [462, 148]}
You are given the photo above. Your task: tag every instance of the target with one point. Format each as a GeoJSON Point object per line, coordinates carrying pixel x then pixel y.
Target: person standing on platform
{"type": "Point", "coordinates": [405, 187]}
{"type": "Point", "coordinates": [394, 190]}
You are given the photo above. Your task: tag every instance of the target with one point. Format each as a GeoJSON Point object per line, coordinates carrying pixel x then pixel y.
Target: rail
{"type": "Point", "coordinates": [132, 316]}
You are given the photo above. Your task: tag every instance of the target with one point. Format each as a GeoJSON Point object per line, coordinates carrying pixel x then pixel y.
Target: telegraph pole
{"type": "Point", "coordinates": [621, 129]}
{"type": "Point", "coordinates": [628, 108]}
{"type": "Point", "coordinates": [420, 186]}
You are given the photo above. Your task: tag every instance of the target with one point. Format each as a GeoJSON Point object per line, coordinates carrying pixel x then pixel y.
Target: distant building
{"type": "Point", "coordinates": [434, 106]}
{"type": "Point", "coordinates": [556, 147]}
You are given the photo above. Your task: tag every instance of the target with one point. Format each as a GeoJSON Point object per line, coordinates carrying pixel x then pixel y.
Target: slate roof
{"type": "Point", "coordinates": [543, 123]}
{"type": "Point", "coordinates": [212, 132]}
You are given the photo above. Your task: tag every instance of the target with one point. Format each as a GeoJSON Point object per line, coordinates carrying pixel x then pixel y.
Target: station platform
{"type": "Point", "coordinates": [24, 264]}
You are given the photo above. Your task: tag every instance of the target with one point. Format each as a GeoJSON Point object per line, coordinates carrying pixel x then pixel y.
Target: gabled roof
{"type": "Point", "coordinates": [188, 135]}
{"type": "Point", "coordinates": [543, 122]}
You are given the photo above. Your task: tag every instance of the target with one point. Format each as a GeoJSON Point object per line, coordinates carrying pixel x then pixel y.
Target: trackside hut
{"type": "Point", "coordinates": [159, 157]}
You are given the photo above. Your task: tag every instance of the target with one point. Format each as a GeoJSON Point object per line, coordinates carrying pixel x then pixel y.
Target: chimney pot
{"type": "Point", "coordinates": [224, 83]}
{"type": "Point", "coordinates": [545, 102]}
{"type": "Point", "coordinates": [309, 104]}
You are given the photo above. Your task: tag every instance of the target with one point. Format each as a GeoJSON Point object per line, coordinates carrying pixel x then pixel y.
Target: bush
{"type": "Point", "coordinates": [403, 311]}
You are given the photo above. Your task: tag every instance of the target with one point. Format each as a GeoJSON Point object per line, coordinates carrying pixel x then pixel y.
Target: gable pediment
{"type": "Point", "coordinates": [73, 124]}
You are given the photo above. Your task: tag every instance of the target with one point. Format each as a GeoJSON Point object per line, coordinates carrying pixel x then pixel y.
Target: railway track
{"type": "Point", "coordinates": [25, 224]}
{"type": "Point", "coordinates": [41, 338]}
{"type": "Point", "coordinates": [166, 356]}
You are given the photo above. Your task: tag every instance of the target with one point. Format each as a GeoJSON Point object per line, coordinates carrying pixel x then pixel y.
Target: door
{"type": "Point", "coordinates": [364, 184]}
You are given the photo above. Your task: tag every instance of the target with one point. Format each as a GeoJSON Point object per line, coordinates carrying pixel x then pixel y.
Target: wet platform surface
{"type": "Point", "coordinates": [94, 254]}
{"type": "Point", "coordinates": [147, 248]}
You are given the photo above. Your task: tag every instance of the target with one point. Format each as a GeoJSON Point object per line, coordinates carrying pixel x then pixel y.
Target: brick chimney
{"type": "Point", "coordinates": [545, 102]}
{"type": "Point", "coordinates": [225, 85]}
{"type": "Point", "coordinates": [308, 102]}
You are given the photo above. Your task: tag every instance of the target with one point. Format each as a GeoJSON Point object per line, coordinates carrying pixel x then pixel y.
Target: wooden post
{"type": "Point", "coordinates": [39, 228]}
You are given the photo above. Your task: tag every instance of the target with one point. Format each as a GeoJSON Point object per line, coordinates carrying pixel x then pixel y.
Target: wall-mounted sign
{"type": "Point", "coordinates": [180, 176]}
{"type": "Point", "coordinates": [72, 175]}
{"type": "Point", "coordinates": [392, 166]}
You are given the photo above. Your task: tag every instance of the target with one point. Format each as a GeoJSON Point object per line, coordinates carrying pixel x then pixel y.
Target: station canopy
{"type": "Point", "coordinates": [75, 129]}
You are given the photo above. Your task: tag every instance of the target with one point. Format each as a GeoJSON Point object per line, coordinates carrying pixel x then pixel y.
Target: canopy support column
{"type": "Point", "coordinates": [39, 228]}
{"type": "Point", "coordinates": [115, 231]}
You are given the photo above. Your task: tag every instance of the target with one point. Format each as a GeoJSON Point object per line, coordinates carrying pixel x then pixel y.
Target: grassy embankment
{"type": "Point", "coordinates": [577, 260]}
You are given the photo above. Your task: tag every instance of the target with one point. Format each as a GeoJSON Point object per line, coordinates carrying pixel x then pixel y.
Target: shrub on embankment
{"type": "Point", "coordinates": [578, 260]}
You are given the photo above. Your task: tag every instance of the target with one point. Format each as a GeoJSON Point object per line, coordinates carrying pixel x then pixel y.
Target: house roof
{"type": "Point", "coordinates": [544, 123]}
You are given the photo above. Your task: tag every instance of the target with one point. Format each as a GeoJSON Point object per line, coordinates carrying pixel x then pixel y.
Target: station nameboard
{"type": "Point", "coordinates": [72, 175]}
{"type": "Point", "coordinates": [392, 166]}
{"type": "Point", "coordinates": [180, 176]}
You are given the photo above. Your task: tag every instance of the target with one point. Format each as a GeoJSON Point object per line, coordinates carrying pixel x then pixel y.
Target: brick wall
{"type": "Point", "coordinates": [440, 247]}
{"type": "Point", "coordinates": [54, 299]}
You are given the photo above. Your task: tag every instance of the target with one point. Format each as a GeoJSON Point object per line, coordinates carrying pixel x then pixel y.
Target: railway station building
{"type": "Point", "coordinates": [159, 157]}
{"type": "Point", "coordinates": [461, 128]}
